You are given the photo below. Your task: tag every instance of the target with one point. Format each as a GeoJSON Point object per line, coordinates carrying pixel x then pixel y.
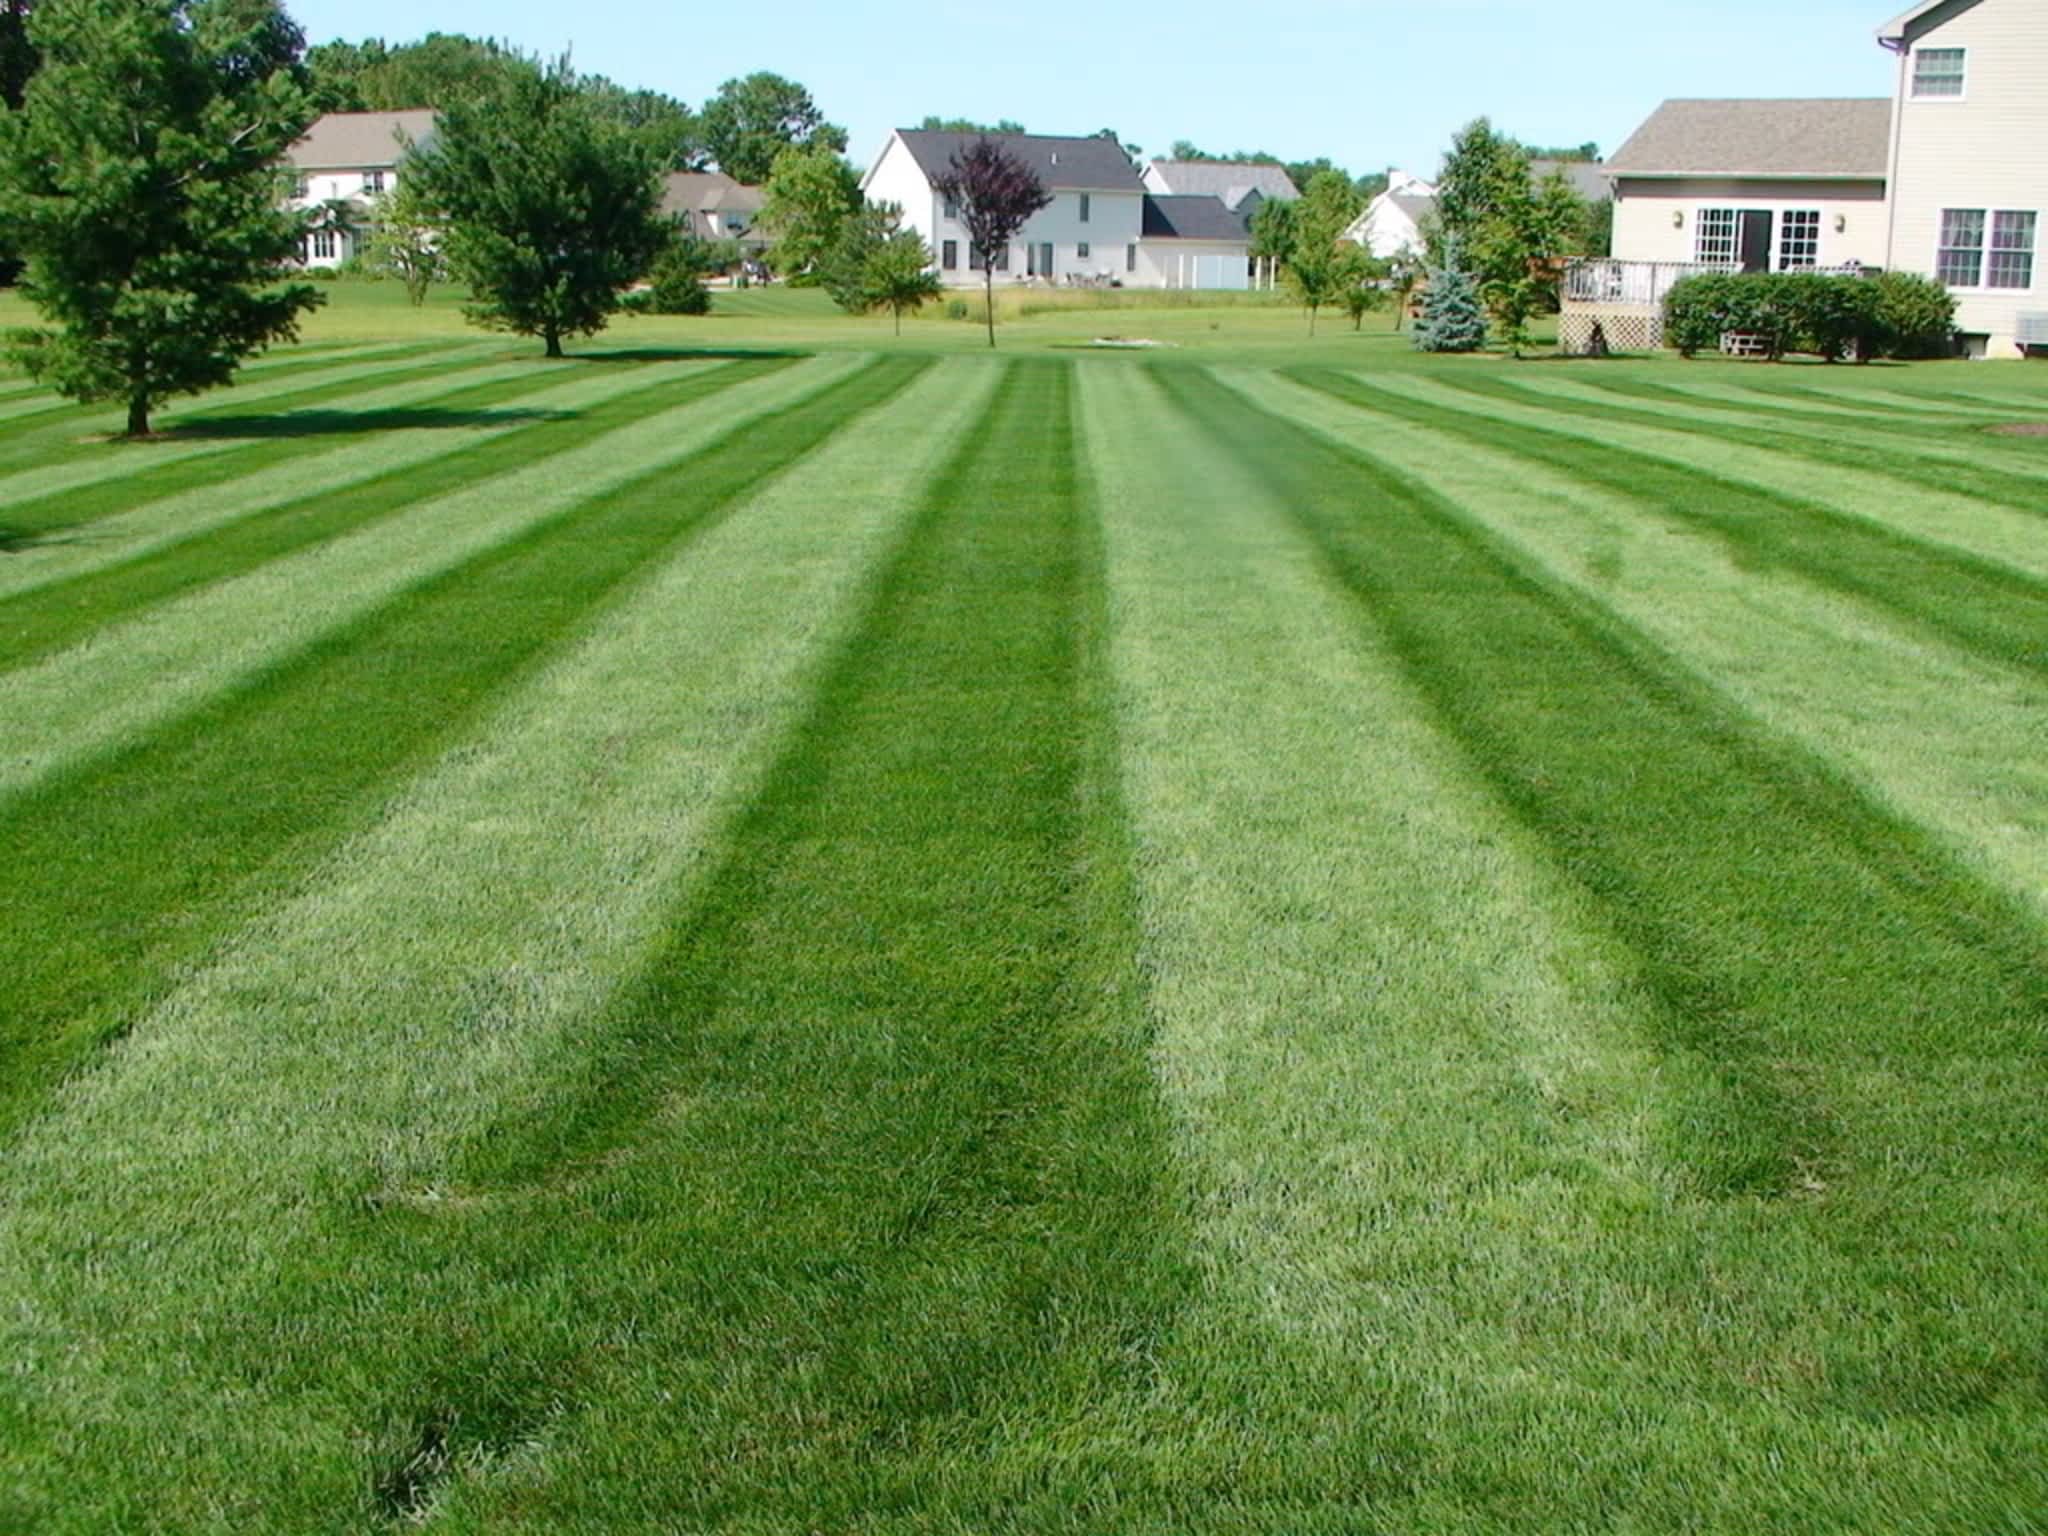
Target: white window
{"type": "Point", "coordinates": [373, 183]}
{"type": "Point", "coordinates": [1938, 71]}
{"type": "Point", "coordinates": [1714, 235]}
{"type": "Point", "coordinates": [302, 186]}
{"type": "Point", "coordinates": [1081, 251]}
{"type": "Point", "coordinates": [1960, 260]}
{"type": "Point", "coordinates": [1084, 209]}
{"type": "Point", "coordinates": [2012, 251]}
{"type": "Point", "coordinates": [1799, 239]}
{"type": "Point", "coordinates": [952, 207]}
{"type": "Point", "coordinates": [323, 245]}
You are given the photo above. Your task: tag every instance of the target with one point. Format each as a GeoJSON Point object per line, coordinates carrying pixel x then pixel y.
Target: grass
{"type": "Point", "coordinates": [767, 931]}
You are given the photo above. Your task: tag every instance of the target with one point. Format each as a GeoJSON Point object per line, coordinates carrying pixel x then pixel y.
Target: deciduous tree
{"type": "Point", "coordinates": [140, 178]}
{"type": "Point", "coordinates": [551, 210]}
{"type": "Point", "coordinates": [1317, 269]}
{"type": "Point", "coordinates": [406, 240]}
{"type": "Point", "coordinates": [752, 120]}
{"type": "Point", "coordinates": [996, 193]}
{"type": "Point", "coordinates": [878, 264]}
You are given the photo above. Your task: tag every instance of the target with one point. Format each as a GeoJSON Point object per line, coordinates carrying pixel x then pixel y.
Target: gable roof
{"type": "Point", "coordinates": [1895, 33]}
{"type": "Point", "coordinates": [1185, 217]}
{"type": "Point", "coordinates": [1844, 139]}
{"type": "Point", "coordinates": [351, 141]}
{"type": "Point", "coordinates": [708, 192]}
{"type": "Point", "coordinates": [1230, 180]}
{"type": "Point", "coordinates": [1066, 165]}
{"type": "Point", "coordinates": [1588, 178]}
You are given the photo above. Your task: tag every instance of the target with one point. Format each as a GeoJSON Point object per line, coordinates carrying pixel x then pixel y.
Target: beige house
{"type": "Point", "coordinates": [1969, 163]}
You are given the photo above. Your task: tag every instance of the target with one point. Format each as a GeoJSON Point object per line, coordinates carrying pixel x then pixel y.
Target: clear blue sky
{"type": "Point", "coordinates": [1367, 82]}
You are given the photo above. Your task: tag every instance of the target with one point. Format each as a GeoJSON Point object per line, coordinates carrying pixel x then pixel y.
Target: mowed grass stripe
{"type": "Point", "coordinates": [909, 1197]}
{"type": "Point", "coordinates": [134, 674]}
{"type": "Point", "coordinates": [1949, 741]}
{"type": "Point", "coordinates": [36, 469]}
{"type": "Point", "coordinates": [450, 964]}
{"type": "Point", "coordinates": [134, 863]}
{"type": "Point", "coordinates": [135, 532]}
{"type": "Point", "coordinates": [1984, 606]}
{"type": "Point", "coordinates": [431, 397]}
{"type": "Point", "coordinates": [1941, 459]}
{"type": "Point", "coordinates": [44, 620]}
{"type": "Point", "coordinates": [1825, 984]}
{"type": "Point", "coordinates": [27, 398]}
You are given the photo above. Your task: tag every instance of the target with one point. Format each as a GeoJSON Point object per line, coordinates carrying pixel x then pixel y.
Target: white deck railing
{"type": "Point", "coordinates": [1632, 282]}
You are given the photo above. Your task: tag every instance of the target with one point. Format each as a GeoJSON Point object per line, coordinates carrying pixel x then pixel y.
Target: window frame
{"type": "Point", "coordinates": [324, 247]}
{"type": "Point", "coordinates": [951, 208]}
{"type": "Point", "coordinates": [1919, 80]}
{"type": "Point", "coordinates": [1732, 238]}
{"type": "Point", "coordinates": [1081, 251]}
{"type": "Point", "coordinates": [2026, 219]}
{"type": "Point", "coordinates": [1130, 258]}
{"type": "Point", "coordinates": [373, 183]}
{"type": "Point", "coordinates": [1086, 207]}
{"type": "Point", "coordinates": [1807, 220]}
{"type": "Point", "coordinates": [1945, 246]}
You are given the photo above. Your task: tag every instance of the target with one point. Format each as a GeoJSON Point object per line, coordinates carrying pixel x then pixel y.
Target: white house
{"type": "Point", "coordinates": [351, 158]}
{"type": "Point", "coordinates": [1968, 163]}
{"type": "Point", "coordinates": [1764, 186]}
{"type": "Point", "coordinates": [1093, 231]}
{"type": "Point", "coordinates": [1392, 223]}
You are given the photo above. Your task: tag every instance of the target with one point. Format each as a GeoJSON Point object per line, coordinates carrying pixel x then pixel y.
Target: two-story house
{"type": "Point", "coordinates": [1969, 163]}
{"type": "Point", "coordinates": [1101, 226]}
{"type": "Point", "coordinates": [346, 162]}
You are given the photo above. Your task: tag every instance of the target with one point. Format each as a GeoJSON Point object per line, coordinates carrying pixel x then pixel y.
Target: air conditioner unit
{"type": "Point", "coordinates": [2031, 330]}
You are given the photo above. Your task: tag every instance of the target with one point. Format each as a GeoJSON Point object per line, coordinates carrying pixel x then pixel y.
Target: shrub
{"type": "Point", "coordinates": [1831, 314]}
{"type": "Point", "coordinates": [1916, 316]}
{"type": "Point", "coordinates": [674, 286]}
{"type": "Point", "coordinates": [956, 309]}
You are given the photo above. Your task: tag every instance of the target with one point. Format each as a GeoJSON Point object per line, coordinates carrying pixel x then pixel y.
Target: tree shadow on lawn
{"type": "Point", "coordinates": [19, 541]}
{"type": "Point", "coordinates": [682, 355]}
{"type": "Point", "coordinates": [351, 423]}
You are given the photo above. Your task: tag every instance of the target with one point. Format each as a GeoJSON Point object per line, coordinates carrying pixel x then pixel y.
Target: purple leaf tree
{"type": "Point", "coordinates": [996, 193]}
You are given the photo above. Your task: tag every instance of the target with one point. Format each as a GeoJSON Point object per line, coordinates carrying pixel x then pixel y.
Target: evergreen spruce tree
{"type": "Point", "coordinates": [139, 179]}
{"type": "Point", "coordinates": [1452, 319]}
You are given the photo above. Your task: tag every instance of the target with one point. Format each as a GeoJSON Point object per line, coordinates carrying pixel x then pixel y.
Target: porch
{"type": "Point", "coordinates": [1618, 306]}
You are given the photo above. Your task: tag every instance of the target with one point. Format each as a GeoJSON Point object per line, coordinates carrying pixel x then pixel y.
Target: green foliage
{"type": "Point", "coordinates": [17, 52]}
{"type": "Point", "coordinates": [878, 264]}
{"type": "Point", "coordinates": [1515, 235]}
{"type": "Point", "coordinates": [1587, 153]}
{"type": "Point", "coordinates": [1365, 285]}
{"type": "Point", "coordinates": [406, 241]}
{"type": "Point", "coordinates": [1300, 172]}
{"type": "Point", "coordinates": [1318, 271]}
{"type": "Point", "coordinates": [936, 124]}
{"type": "Point", "coordinates": [810, 194]}
{"type": "Point", "coordinates": [675, 283]}
{"type": "Point", "coordinates": [1452, 319]}
{"type": "Point", "coordinates": [139, 179]}
{"type": "Point", "coordinates": [1825, 313]}
{"type": "Point", "coordinates": [752, 120]}
{"type": "Point", "coordinates": [1916, 316]}
{"type": "Point", "coordinates": [1273, 231]}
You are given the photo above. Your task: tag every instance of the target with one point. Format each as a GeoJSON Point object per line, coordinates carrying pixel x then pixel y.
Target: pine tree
{"type": "Point", "coordinates": [551, 210]}
{"type": "Point", "coordinates": [1452, 319]}
{"type": "Point", "coordinates": [139, 178]}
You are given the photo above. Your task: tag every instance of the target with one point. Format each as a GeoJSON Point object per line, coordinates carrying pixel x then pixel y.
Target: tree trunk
{"type": "Point", "coordinates": [554, 341]}
{"type": "Point", "coordinates": [988, 291]}
{"type": "Point", "coordinates": [138, 416]}
{"type": "Point", "coordinates": [899, 322]}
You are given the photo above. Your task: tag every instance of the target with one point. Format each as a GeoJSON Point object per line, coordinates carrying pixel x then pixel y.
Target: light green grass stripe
{"type": "Point", "coordinates": [50, 463]}
{"type": "Point", "coordinates": [26, 397]}
{"type": "Point", "coordinates": [130, 676]}
{"type": "Point", "coordinates": [1949, 742]}
{"type": "Point", "coordinates": [170, 519]}
{"type": "Point", "coordinates": [422, 985]}
{"type": "Point", "coordinates": [1869, 405]}
{"type": "Point", "coordinates": [1961, 522]}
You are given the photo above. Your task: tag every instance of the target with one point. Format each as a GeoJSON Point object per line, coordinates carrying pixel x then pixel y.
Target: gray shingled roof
{"type": "Point", "coordinates": [1069, 165]}
{"type": "Point", "coordinates": [1229, 181]}
{"type": "Point", "coordinates": [1587, 178]}
{"type": "Point", "coordinates": [360, 141]}
{"type": "Point", "coordinates": [1190, 218]}
{"type": "Point", "coordinates": [697, 191]}
{"type": "Point", "coordinates": [1841, 138]}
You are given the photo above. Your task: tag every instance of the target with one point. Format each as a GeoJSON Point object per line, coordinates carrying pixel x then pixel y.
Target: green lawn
{"type": "Point", "coordinates": [768, 930]}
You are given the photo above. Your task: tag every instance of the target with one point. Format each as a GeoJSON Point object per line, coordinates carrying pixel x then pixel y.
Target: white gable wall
{"type": "Point", "coordinates": [1986, 149]}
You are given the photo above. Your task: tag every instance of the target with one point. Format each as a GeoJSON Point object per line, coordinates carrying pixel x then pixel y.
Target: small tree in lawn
{"type": "Point", "coordinates": [1273, 234]}
{"type": "Point", "coordinates": [405, 241]}
{"type": "Point", "coordinates": [1404, 276]}
{"type": "Point", "coordinates": [1452, 318]}
{"type": "Point", "coordinates": [1318, 270]}
{"type": "Point", "coordinates": [878, 264]}
{"type": "Point", "coordinates": [810, 194]}
{"type": "Point", "coordinates": [1364, 284]}
{"type": "Point", "coordinates": [551, 209]}
{"type": "Point", "coordinates": [139, 180]}
{"type": "Point", "coordinates": [996, 194]}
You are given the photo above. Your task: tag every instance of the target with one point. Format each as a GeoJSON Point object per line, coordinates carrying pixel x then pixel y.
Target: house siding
{"type": "Point", "coordinates": [1644, 229]}
{"type": "Point", "coordinates": [1214, 264]}
{"type": "Point", "coordinates": [1986, 149]}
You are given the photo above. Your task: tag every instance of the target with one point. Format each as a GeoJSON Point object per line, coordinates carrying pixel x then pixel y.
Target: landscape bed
{"type": "Point", "coordinates": [763, 931]}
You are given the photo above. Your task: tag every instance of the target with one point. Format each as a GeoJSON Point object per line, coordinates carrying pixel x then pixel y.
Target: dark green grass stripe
{"type": "Point", "coordinates": [1791, 929]}
{"type": "Point", "coordinates": [1830, 441]}
{"type": "Point", "coordinates": [1986, 608]}
{"type": "Point", "coordinates": [920, 1190]}
{"type": "Point", "coordinates": [300, 359]}
{"type": "Point", "coordinates": [131, 864]}
{"type": "Point", "coordinates": [258, 430]}
{"type": "Point", "coordinates": [1792, 406]}
{"type": "Point", "coordinates": [271, 441]}
{"type": "Point", "coordinates": [45, 619]}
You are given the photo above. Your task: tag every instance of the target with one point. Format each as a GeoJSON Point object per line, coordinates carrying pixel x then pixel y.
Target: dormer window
{"type": "Point", "coordinates": [1938, 72]}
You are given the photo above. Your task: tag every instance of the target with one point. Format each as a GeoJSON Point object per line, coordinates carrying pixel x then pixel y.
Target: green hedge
{"type": "Point", "coordinates": [1896, 315]}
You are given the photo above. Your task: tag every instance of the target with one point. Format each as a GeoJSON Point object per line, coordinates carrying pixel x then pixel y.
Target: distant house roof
{"type": "Point", "coordinates": [1845, 139]}
{"type": "Point", "coordinates": [1190, 218]}
{"type": "Point", "coordinates": [1068, 165]}
{"type": "Point", "coordinates": [708, 192]}
{"type": "Point", "coordinates": [1588, 178]}
{"type": "Point", "coordinates": [1225, 179]}
{"type": "Point", "coordinates": [360, 141]}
